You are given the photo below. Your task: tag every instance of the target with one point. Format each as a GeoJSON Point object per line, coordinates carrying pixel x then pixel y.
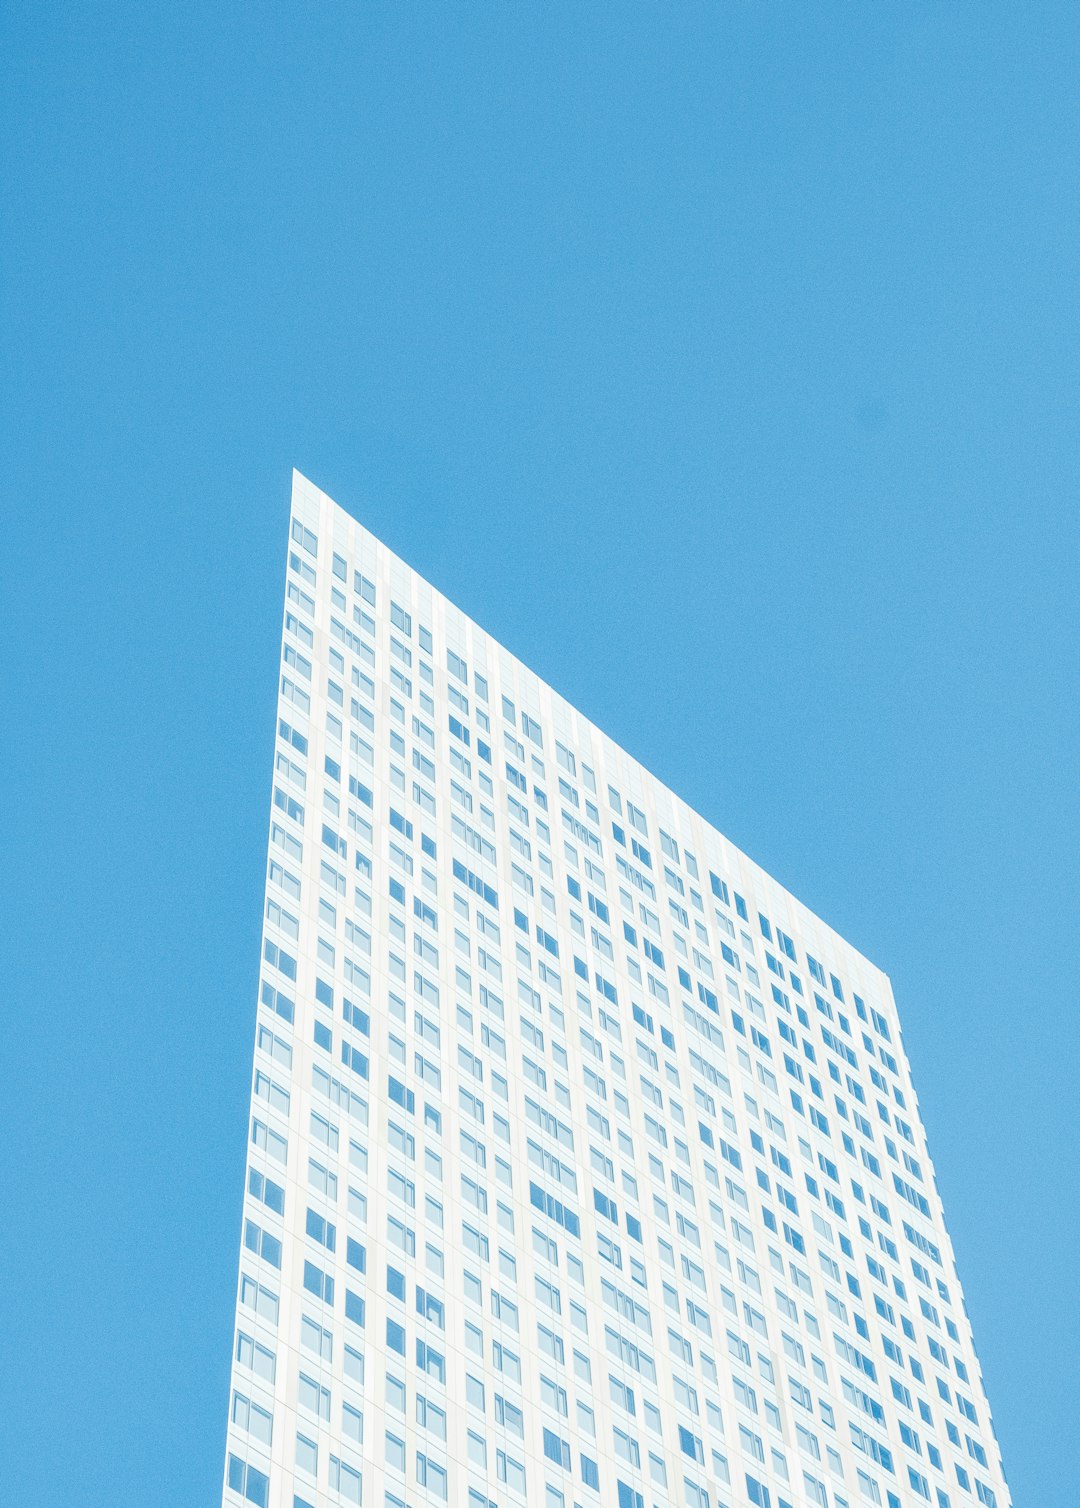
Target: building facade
{"type": "Point", "coordinates": [584, 1163]}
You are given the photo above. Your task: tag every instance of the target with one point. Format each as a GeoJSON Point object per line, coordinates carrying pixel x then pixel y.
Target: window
{"type": "Point", "coordinates": [252, 1485]}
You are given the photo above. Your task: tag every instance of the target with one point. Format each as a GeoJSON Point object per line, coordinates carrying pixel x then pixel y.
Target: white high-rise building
{"type": "Point", "coordinates": [584, 1162]}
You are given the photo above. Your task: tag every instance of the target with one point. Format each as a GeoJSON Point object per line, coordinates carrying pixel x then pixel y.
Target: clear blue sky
{"type": "Point", "coordinates": [710, 355]}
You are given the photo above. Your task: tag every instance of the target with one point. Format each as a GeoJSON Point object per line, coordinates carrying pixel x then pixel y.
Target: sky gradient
{"type": "Point", "coordinates": [713, 357]}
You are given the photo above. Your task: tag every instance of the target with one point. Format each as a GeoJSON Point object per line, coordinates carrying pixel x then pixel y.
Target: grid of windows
{"type": "Point", "coordinates": [584, 1162]}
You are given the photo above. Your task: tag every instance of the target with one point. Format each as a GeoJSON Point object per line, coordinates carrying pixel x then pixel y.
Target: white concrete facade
{"type": "Point", "coordinates": [584, 1164]}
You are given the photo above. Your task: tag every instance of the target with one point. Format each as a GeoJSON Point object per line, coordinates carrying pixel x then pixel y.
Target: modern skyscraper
{"type": "Point", "coordinates": [584, 1163]}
